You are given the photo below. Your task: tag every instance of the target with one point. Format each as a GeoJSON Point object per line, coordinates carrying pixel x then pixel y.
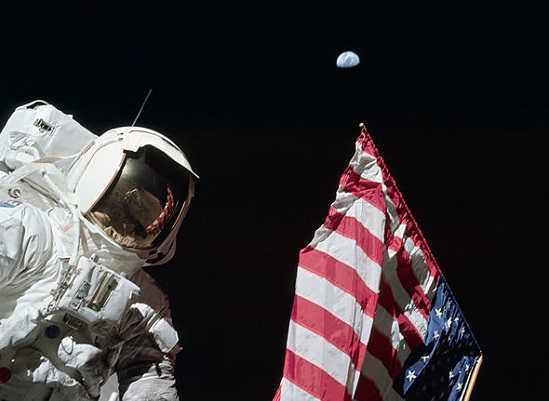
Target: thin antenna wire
{"type": "Point", "coordinates": [142, 106]}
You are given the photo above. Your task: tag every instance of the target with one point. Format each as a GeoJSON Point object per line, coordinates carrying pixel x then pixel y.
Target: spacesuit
{"type": "Point", "coordinates": [80, 215]}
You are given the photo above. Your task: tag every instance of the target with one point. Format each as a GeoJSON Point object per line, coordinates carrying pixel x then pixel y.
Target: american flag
{"type": "Point", "coordinates": [373, 317]}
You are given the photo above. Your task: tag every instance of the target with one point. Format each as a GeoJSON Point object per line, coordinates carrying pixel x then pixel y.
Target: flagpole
{"type": "Point", "coordinates": [471, 383]}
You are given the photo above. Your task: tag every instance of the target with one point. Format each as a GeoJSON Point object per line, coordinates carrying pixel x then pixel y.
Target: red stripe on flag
{"type": "Point", "coordinates": [328, 326]}
{"type": "Point", "coordinates": [350, 227]}
{"type": "Point", "coordinates": [313, 379]}
{"type": "Point", "coordinates": [412, 337]}
{"type": "Point", "coordinates": [381, 347]}
{"type": "Point", "coordinates": [361, 187]}
{"type": "Point", "coordinates": [340, 275]}
{"type": "Point", "coordinates": [366, 390]}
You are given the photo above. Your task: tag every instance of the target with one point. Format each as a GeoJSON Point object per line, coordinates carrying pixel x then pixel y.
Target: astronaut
{"type": "Point", "coordinates": [80, 215]}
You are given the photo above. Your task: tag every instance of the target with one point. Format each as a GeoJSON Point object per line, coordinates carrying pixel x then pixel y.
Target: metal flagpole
{"type": "Point", "coordinates": [471, 383]}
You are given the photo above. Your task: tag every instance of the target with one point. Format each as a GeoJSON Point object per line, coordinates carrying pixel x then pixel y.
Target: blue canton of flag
{"type": "Point", "coordinates": [441, 368]}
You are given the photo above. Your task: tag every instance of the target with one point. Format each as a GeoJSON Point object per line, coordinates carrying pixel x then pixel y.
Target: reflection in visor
{"type": "Point", "coordinates": [142, 203]}
{"type": "Point", "coordinates": [157, 225]}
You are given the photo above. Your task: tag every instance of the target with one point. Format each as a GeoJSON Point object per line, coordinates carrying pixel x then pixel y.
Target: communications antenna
{"type": "Point", "coordinates": [142, 106]}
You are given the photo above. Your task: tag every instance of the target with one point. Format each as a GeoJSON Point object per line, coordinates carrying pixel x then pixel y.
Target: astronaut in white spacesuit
{"type": "Point", "coordinates": [80, 215]}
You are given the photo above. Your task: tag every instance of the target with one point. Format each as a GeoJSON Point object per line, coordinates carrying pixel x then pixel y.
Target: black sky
{"type": "Point", "coordinates": [453, 93]}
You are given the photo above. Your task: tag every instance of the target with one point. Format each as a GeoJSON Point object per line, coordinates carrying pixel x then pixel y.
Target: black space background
{"type": "Point", "coordinates": [454, 95]}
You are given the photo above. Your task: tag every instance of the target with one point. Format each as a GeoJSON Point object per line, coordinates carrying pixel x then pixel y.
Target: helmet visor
{"type": "Point", "coordinates": [142, 203]}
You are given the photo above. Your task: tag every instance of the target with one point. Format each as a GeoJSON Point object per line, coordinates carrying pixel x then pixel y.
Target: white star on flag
{"type": "Point", "coordinates": [411, 375]}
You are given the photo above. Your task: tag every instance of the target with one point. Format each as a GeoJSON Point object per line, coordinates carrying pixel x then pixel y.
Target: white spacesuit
{"type": "Point", "coordinates": [80, 215]}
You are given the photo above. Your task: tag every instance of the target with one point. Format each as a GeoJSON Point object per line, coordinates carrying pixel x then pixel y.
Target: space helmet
{"type": "Point", "coordinates": [136, 185]}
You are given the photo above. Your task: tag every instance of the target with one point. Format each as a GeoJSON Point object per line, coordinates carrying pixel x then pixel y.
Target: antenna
{"type": "Point", "coordinates": [142, 106]}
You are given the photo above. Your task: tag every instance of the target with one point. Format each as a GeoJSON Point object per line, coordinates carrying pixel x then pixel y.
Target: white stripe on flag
{"type": "Point", "coordinates": [290, 391]}
{"type": "Point", "coordinates": [391, 210]}
{"type": "Point", "coordinates": [369, 216]}
{"type": "Point", "coordinates": [420, 268]}
{"type": "Point", "coordinates": [365, 165]}
{"type": "Point", "coordinates": [336, 301]}
{"type": "Point", "coordinates": [346, 251]}
{"type": "Point", "coordinates": [315, 349]}
{"type": "Point", "coordinates": [348, 204]}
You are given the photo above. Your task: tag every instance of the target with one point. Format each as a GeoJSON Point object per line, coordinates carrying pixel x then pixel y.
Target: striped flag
{"type": "Point", "coordinates": [373, 317]}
